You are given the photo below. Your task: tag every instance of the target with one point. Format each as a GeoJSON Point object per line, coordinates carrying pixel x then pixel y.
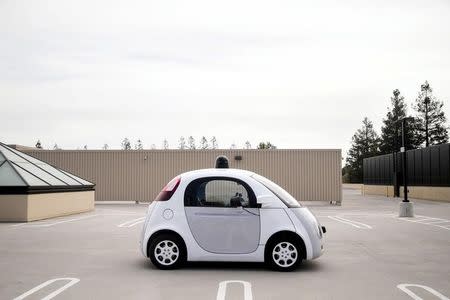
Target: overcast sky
{"type": "Point", "coordinates": [301, 74]}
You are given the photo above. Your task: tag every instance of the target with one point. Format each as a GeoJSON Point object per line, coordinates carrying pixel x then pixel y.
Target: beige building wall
{"type": "Point", "coordinates": [434, 193]}
{"type": "Point", "coordinates": [13, 208]}
{"type": "Point", "coordinates": [49, 205]}
{"type": "Point", "coordinates": [353, 186]}
{"type": "Point", "coordinates": [381, 190]}
{"type": "Point", "coordinates": [139, 175]}
{"type": "Point", "coordinates": [31, 207]}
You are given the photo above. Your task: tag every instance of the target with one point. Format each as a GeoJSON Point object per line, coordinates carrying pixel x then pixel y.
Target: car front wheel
{"type": "Point", "coordinates": [167, 251]}
{"type": "Point", "coordinates": [284, 255]}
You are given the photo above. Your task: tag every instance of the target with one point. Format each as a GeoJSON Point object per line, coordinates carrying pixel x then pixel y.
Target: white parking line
{"type": "Point", "coordinates": [425, 220]}
{"type": "Point", "coordinates": [71, 282]}
{"type": "Point", "coordinates": [19, 224]}
{"type": "Point", "coordinates": [118, 211]}
{"type": "Point", "coordinates": [367, 214]}
{"type": "Point", "coordinates": [421, 220]}
{"type": "Point", "coordinates": [350, 222]}
{"type": "Point", "coordinates": [132, 223]}
{"type": "Point", "coordinates": [62, 222]}
{"type": "Point", "coordinates": [436, 222]}
{"type": "Point", "coordinates": [355, 222]}
{"type": "Point", "coordinates": [404, 288]}
{"type": "Point", "coordinates": [222, 291]}
{"type": "Point", "coordinates": [119, 214]}
{"type": "Point", "coordinates": [48, 224]}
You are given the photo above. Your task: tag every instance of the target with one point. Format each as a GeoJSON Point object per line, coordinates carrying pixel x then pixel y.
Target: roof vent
{"type": "Point", "coordinates": [222, 162]}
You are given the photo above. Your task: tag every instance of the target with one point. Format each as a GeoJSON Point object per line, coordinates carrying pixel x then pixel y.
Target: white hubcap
{"type": "Point", "coordinates": [284, 254]}
{"type": "Point", "coordinates": [166, 252]}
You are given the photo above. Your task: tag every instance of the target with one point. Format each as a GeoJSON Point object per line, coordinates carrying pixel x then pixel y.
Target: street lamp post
{"type": "Point", "coordinates": [427, 101]}
{"type": "Point", "coordinates": [425, 88]}
{"type": "Point", "coordinates": [406, 207]}
{"type": "Point", "coordinates": [405, 162]}
{"type": "Point", "coordinates": [394, 160]}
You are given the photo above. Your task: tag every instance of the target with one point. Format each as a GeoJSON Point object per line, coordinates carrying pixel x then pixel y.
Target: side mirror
{"type": "Point", "coordinates": [235, 202]}
{"type": "Point", "coordinates": [266, 201]}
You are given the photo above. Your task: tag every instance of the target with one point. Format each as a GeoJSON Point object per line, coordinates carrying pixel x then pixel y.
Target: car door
{"type": "Point", "coordinates": [222, 215]}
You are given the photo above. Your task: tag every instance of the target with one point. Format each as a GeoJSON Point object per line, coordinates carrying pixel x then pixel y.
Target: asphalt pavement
{"type": "Point", "coordinates": [370, 253]}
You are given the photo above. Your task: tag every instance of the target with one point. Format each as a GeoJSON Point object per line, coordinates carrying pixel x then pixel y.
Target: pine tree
{"type": "Point", "coordinates": [182, 143]}
{"type": "Point", "coordinates": [38, 144]}
{"type": "Point", "coordinates": [365, 143]}
{"type": "Point", "coordinates": [126, 145]}
{"type": "Point", "coordinates": [391, 129]}
{"type": "Point", "coordinates": [204, 143]}
{"type": "Point", "coordinates": [214, 144]}
{"type": "Point", "coordinates": [138, 145]}
{"type": "Point", "coordinates": [267, 145]}
{"type": "Point", "coordinates": [191, 142]}
{"type": "Point", "coordinates": [431, 118]}
{"type": "Point", "coordinates": [165, 144]}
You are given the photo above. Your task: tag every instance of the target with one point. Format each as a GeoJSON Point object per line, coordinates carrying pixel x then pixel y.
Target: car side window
{"type": "Point", "coordinates": [219, 192]}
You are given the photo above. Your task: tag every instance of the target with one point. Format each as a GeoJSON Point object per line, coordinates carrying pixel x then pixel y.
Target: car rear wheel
{"type": "Point", "coordinates": [167, 251]}
{"type": "Point", "coordinates": [284, 255]}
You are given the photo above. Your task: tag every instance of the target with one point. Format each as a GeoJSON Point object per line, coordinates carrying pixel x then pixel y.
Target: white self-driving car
{"type": "Point", "coordinates": [229, 215]}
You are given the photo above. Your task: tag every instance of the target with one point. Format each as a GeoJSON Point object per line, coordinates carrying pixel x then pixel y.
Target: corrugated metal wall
{"type": "Point", "coordinates": [426, 167]}
{"type": "Point", "coordinates": [139, 175]}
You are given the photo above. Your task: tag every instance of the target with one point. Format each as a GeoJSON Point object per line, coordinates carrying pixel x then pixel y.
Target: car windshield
{"type": "Point", "coordinates": [278, 191]}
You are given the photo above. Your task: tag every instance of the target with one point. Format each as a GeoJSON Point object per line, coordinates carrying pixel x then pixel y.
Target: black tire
{"type": "Point", "coordinates": [172, 251]}
{"type": "Point", "coordinates": [288, 250]}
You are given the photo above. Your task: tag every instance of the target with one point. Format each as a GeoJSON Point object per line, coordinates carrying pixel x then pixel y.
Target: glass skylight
{"type": "Point", "coordinates": [20, 169]}
{"type": "Point", "coordinates": [9, 177]}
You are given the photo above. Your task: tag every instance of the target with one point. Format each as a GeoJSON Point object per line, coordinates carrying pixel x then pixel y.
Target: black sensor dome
{"type": "Point", "coordinates": [222, 162]}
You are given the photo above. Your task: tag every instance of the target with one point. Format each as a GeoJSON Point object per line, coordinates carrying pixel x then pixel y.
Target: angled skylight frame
{"type": "Point", "coordinates": [38, 175]}
{"type": "Point", "coordinates": [13, 178]}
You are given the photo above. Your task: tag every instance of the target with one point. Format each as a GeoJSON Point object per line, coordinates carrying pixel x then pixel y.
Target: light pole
{"type": "Point", "coordinates": [427, 101]}
{"type": "Point", "coordinates": [394, 160]}
{"type": "Point", "coordinates": [406, 207]}
{"type": "Point", "coordinates": [425, 88]}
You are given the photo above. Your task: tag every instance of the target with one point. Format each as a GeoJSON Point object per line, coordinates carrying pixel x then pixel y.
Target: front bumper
{"type": "Point", "coordinates": [313, 229]}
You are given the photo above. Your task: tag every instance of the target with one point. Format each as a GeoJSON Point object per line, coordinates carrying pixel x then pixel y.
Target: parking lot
{"type": "Point", "coordinates": [369, 254]}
